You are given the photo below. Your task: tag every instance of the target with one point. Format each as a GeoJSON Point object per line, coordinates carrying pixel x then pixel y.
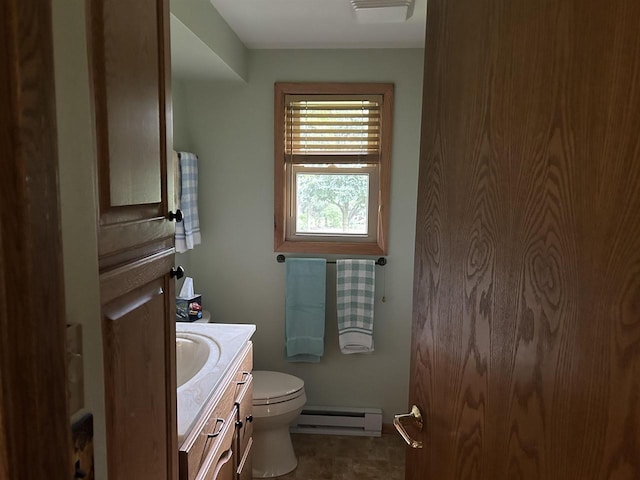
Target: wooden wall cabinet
{"type": "Point", "coordinates": [218, 447]}
{"type": "Point", "coordinates": [139, 372]}
{"type": "Point", "coordinates": [130, 72]}
{"type": "Point", "coordinates": [129, 53]}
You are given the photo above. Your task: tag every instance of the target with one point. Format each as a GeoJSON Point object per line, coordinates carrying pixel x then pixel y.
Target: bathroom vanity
{"type": "Point", "coordinates": [214, 399]}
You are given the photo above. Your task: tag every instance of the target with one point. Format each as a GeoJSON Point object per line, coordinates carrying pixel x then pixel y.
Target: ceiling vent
{"type": "Point", "coordinates": [383, 11]}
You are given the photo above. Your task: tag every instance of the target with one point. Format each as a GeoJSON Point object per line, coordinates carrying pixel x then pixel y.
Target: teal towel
{"type": "Point", "coordinates": [355, 290]}
{"type": "Point", "coordinates": [305, 309]}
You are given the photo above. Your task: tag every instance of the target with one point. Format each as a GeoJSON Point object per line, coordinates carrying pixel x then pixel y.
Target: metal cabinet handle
{"type": "Point", "coordinates": [221, 422]}
{"type": "Point", "coordinates": [245, 378]}
{"type": "Point", "coordinates": [176, 272]}
{"type": "Point", "coordinates": [175, 216]}
{"type": "Point", "coordinates": [416, 417]}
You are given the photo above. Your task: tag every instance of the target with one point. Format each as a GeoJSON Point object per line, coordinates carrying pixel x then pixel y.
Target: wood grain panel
{"type": "Point", "coordinates": [117, 282]}
{"type": "Point", "coordinates": [130, 66]}
{"type": "Point", "coordinates": [136, 377]}
{"type": "Point", "coordinates": [132, 98]}
{"type": "Point", "coordinates": [35, 441]}
{"type": "Point", "coordinates": [526, 334]}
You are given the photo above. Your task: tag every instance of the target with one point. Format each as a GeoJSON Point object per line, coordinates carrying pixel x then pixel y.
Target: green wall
{"type": "Point", "coordinates": [76, 153]}
{"type": "Point", "coordinates": [181, 143]}
{"type": "Point", "coordinates": [201, 17]}
{"type": "Point", "coordinates": [181, 134]}
{"type": "Point", "coordinates": [231, 129]}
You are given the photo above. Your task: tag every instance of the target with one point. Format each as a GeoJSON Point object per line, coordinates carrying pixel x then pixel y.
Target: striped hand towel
{"type": "Point", "coordinates": [188, 230]}
{"type": "Point", "coordinates": [355, 289]}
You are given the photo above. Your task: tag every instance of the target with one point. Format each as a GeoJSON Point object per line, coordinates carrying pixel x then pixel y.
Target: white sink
{"type": "Point", "coordinates": [204, 352]}
{"type": "Point", "coordinates": [193, 352]}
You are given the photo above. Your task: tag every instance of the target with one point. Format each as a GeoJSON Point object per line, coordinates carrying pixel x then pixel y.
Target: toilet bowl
{"type": "Point", "coordinates": [278, 399]}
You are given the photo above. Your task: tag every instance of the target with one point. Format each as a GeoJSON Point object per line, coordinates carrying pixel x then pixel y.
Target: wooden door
{"type": "Point", "coordinates": [526, 329]}
{"type": "Point", "coordinates": [129, 52]}
{"type": "Point", "coordinates": [35, 434]}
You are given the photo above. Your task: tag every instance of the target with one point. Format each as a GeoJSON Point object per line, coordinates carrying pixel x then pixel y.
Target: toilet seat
{"type": "Point", "coordinates": [275, 387]}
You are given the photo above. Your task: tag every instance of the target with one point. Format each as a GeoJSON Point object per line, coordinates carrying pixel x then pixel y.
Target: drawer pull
{"type": "Point", "coordinates": [249, 418]}
{"type": "Point", "coordinates": [245, 378]}
{"type": "Point", "coordinates": [221, 422]}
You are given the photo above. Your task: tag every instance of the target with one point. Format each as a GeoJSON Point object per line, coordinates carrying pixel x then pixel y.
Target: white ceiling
{"type": "Point", "coordinates": [316, 24]}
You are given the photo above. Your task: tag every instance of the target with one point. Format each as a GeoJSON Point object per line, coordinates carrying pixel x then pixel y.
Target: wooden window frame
{"type": "Point", "coordinates": [371, 170]}
{"type": "Point", "coordinates": [282, 191]}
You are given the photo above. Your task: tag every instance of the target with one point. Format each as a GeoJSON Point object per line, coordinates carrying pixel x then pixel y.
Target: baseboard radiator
{"type": "Point", "coordinates": [366, 422]}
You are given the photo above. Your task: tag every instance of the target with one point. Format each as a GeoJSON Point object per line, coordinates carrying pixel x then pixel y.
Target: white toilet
{"type": "Point", "coordinates": [278, 399]}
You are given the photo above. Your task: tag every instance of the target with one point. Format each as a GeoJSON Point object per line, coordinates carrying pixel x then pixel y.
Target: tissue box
{"type": "Point", "coordinates": [189, 309]}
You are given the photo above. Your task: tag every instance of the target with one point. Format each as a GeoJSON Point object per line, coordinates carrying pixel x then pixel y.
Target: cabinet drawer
{"type": "Point", "coordinates": [198, 442]}
{"type": "Point", "coordinates": [218, 462]}
{"type": "Point", "coordinates": [244, 369]}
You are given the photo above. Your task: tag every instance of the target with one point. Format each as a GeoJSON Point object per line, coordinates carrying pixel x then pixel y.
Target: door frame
{"type": "Point", "coordinates": [35, 433]}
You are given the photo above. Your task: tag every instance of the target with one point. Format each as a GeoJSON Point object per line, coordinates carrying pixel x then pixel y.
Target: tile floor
{"type": "Point", "coordinates": [327, 457]}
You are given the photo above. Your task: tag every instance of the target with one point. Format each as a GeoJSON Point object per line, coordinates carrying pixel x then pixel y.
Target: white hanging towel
{"type": "Point", "coordinates": [188, 230]}
{"type": "Point", "coordinates": [355, 291]}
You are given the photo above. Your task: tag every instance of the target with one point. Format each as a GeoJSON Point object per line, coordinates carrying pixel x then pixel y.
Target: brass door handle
{"type": "Point", "coordinates": [416, 417]}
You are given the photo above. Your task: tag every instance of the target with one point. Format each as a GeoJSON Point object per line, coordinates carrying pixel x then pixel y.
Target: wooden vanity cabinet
{"type": "Point", "coordinates": [219, 442]}
{"type": "Point", "coordinates": [219, 457]}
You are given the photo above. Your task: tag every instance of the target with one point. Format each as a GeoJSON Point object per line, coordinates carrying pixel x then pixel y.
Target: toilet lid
{"type": "Point", "coordinates": [275, 387]}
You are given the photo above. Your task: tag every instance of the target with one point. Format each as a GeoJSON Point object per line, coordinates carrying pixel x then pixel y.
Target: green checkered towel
{"type": "Point", "coordinates": [355, 289]}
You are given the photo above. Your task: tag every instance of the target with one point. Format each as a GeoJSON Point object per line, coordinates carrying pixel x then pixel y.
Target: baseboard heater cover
{"type": "Point", "coordinates": [366, 422]}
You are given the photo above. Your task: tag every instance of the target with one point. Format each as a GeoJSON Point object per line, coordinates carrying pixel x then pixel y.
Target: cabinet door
{"type": "Point", "coordinates": [244, 431]}
{"type": "Point", "coordinates": [219, 462]}
{"type": "Point", "coordinates": [129, 51]}
{"type": "Point", "coordinates": [129, 55]}
{"type": "Point", "coordinates": [139, 353]}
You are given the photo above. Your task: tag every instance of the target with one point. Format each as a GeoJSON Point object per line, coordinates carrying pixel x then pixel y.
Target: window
{"type": "Point", "coordinates": [332, 167]}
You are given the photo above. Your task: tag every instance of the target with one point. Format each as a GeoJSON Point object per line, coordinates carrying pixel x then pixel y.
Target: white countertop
{"type": "Point", "coordinates": [193, 396]}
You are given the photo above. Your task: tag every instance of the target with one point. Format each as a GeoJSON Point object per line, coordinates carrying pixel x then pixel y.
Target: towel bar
{"type": "Point", "coordinates": [380, 261]}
